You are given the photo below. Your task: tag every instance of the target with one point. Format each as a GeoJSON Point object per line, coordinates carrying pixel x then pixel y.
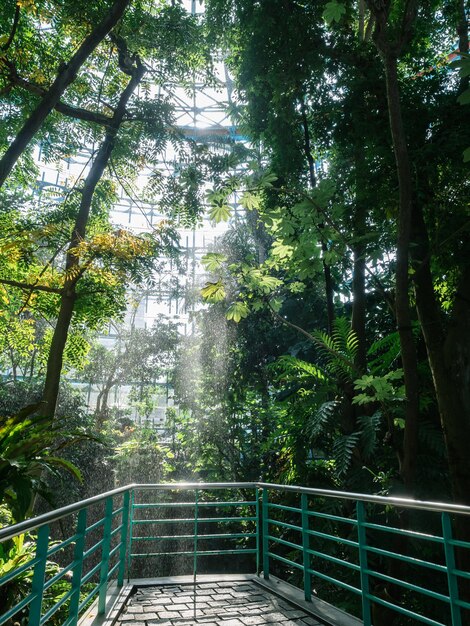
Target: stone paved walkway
{"type": "Point", "coordinates": [218, 604]}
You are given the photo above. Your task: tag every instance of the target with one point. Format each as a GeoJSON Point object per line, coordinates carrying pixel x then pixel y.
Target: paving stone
{"type": "Point", "coordinates": [253, 620]}
{"type": "Point", "coordinates": [275, 618]}
{"type": "Point", "coordinates": [222, 596]}
{"type": "Point", "coordinates": [217, 604]}
{"type": "Point", "coordinates": [176, 607]}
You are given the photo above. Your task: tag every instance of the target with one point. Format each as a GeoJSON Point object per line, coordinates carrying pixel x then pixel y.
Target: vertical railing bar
{"type": "Point", "coordinates": [452, 579]}
{"type": "Point", "coordinates": [124, 535]}
{"type": "Point", "coordinates": [196, 513]}
{"type": "Point", "coordinates": [77, 568]}
{"type": "Point", "coordinates": [265, 542]}
{"type": "Point", "coordinates": [362, 541]}
{"type": "Point", "coordinates": [105, 548]}
{"type": "Point", "coordinates": [258, 530]}
{"type": "Point", "coordinates": [306, 547]}
{"type": "Point", "coordinates": [131, 533]}
{"type": "Point", "coordinates": [39, 572]}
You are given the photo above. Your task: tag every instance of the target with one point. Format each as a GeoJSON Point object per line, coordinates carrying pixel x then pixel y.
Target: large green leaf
{"type": "Point", "coordinates": [213, 261]}
{"type": "Point", "coordinates": [213, 292]}
{"type": "Point", "coordinates": [220, 213]}
{"type": "Point", "coordinates": [333, 11]}
{"type": "Point", "coordinates": [237, 311]}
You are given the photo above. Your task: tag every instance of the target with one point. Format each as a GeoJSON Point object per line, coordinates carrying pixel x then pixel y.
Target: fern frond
{"type": "Point", "coordinates": [293, 365]}
{"type": "Point", "coordinates": [343, 449]}
{"type": "Point", "coordinates": [333, 348]}
{"type": "Point", "coordinates": [352, 343]}
{"type": "Point", "coordinates": [386, 350]}
{"type": "Point", "coordinates": [317, 424]}
{"type": "Point", "coordinates": [341, 330]}
{"type": "Point", "coordinates": [369, 425]}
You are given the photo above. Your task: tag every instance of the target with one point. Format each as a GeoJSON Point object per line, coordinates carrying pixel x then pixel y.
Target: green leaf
{"type": "Point", "coordinates": [213, 261]}
{"type": "Point", "coordinates": [237, 311]}
{"type": "Point", "coordinates": [276, 304]}
{"type": "Point", "coordinates": [67, 465]}
{"type": "Point", "coordinates": [333, 12]}
{"type": "Point", "coordinates": [267, 180]}
{"type": "Point", "coordinates": [296, 287]}
{"type": "Point", "coordinates": [466, 155]}
{"type": "Point", "coordinates": [282, 251]}
{"type": "Point", "coordinates": [249, 201]}
{"type": "Point", "coordinates": [213, 292]}
{"type": "Point", "coordinates": [220, 213]}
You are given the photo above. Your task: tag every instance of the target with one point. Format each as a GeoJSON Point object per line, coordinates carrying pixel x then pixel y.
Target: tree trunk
{"type": "Point", "coordinates": [329, 292]}
{"type": "Point", "coordinates": [67, 301]}
{"type": "Point", "coordinates": [402, 305]}
{"type": "Point", "coordinates": [449, 359]}
{"type": "Point", "coordinates": [64, 78]}
{"type": "Point", "coordinates": [462, 32]}
{"type": "Point", "coordinates": [359, 304]}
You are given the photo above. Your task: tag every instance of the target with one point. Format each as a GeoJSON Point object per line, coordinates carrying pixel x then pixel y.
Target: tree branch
{"type": "Point", "coordinates": [66, 109]}
{"type": "Point", "coordinates": [65, 76]}
{"type": "Point", "coordinates": [30, 287]}
{"type": "Point", "coordinates": [16, 19]}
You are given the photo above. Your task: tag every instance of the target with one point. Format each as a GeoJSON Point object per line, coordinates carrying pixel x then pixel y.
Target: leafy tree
{"type": "Point", "coordinates": [74, 255]}
{"type": "Point", "coordinates": [321, 109]}
{"type": "Point", "coordinates": [138, 359]}
{"type": "Point", "coordinates": [66, 71]}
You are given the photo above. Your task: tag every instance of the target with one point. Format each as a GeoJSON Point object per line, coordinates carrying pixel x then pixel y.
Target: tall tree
{"type": "Point", "coordinates": [65, 76]}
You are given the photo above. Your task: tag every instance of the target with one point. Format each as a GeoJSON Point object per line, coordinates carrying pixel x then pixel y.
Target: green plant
{"type": "Point", "coordinates": [29, 449]}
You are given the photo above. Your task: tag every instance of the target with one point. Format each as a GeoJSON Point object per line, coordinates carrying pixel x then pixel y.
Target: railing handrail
{"type": "Point", "coordinates": [409, 503]}
{"type": "Point", "coordinates": [52, 516]}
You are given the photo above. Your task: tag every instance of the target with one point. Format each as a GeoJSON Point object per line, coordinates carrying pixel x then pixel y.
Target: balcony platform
{"type": "Point", "coordinates": [225, 600]}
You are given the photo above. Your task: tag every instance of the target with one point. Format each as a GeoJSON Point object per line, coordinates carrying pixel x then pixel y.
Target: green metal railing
{"type": "Point", "coordinates": [159, 529]}
{"type": "Point", "coordinates": [360, 539]}
{"type": "Point", "coordinates": [411, 565]}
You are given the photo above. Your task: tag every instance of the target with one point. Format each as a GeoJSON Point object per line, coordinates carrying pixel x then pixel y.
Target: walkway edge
{"type": "Point", "coordinates": [325, 612]}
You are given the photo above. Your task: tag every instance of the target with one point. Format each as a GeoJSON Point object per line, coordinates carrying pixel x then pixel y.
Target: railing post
{"type": "Point", "coordinates": [452, 580]}
{"type": "Point", "coordinates": [362, 541]}
{"type": "Point", "coordinates": [265, 526]}
{"type": "Point", "coordinates": [131, 531]}
{"type": "Point", "coordinates": [42, 546]}
{"type": "Point", "coordinates": [196, 519]}
{"type": "Point", "coordinates": [123, 548]}
{"type": "Point", "coordinates": [77, 565]}
{"type": "Point", "coordinates": [105, 549]}
{"type": "Point", "coordinates": [258, 530]}
{"type": "Point", "coordinates": [306, 547]}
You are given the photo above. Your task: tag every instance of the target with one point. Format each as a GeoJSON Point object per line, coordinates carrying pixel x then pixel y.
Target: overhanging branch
{"type": "Point", "coordinates": [30, 287]}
